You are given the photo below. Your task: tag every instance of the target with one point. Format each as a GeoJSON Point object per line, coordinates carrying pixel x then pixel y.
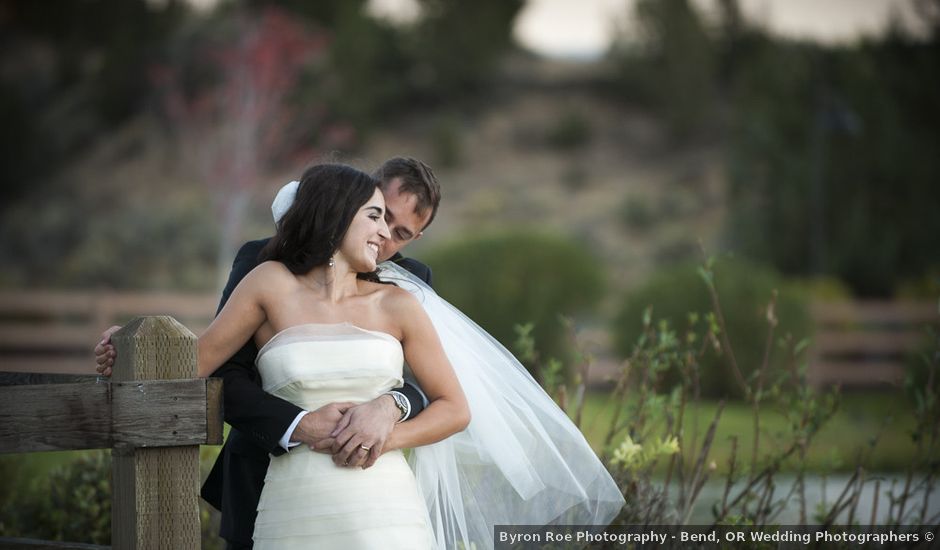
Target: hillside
{"type": "Point", "coordinates": [548, 149]}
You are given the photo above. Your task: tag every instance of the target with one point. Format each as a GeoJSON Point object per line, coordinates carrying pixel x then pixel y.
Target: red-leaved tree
{"type": "Point", "coordinates": [235, 109]}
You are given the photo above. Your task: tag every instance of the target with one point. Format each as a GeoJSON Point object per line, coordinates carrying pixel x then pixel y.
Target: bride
{"type": "Point", "coordinates": [330, 328]}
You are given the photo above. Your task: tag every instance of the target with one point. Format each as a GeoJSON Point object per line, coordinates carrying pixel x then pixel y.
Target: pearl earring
{"type": "Point", "coordinates": [331, 261]}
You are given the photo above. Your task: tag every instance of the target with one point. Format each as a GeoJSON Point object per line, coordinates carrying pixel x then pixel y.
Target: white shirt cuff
{"type": "Point", "coordinates": [285, 441]}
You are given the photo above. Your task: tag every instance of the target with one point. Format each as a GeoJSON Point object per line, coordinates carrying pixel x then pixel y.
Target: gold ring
{"type": "Point", "coordinates": [364, 448]}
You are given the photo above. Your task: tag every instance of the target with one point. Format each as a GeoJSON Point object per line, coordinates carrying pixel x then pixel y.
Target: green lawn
{"type": "Point", "coordinates": [861, 416]}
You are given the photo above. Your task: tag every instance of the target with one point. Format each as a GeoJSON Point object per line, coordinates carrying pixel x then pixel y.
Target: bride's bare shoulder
{"type": "Point", "coordinates": [396, 300]}
{"type": "Point", "coordinates": [272, 266]}
{"type": "Point", "coordinates": [270, 273]}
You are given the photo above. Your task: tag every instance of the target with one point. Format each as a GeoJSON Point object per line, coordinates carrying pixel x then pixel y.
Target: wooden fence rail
{"type": "Point", "coordinates": [153, 414]}
{"type": "Point", "coordinates": [53, 331]}
{"type": "Point", "coordinates": [866, 343]}
{"type": "Point", "coordinates": [856, 342]}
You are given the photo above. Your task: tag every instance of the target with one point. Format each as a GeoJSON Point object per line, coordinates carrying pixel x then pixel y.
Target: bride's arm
{"type": "Point", "coordinates": [241, 317]}
{"type": "Point", "coordinates": [448, 412]}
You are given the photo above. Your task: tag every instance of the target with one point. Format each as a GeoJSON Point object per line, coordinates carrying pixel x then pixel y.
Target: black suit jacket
{"type": "Point", "coordinates": [258, 419]}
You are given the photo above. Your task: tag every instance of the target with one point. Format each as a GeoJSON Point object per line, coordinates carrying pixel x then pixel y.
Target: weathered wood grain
{"type": "Point", "coordinates": [27, 378]}
{"type": "Point", "coordinates": [155, 490]}
{"type": "Point", "coordinates": [54, 417]}
{"type": "Point", "coordinates": [152, 413]}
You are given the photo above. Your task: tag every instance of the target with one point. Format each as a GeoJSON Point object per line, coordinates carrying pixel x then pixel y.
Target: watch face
{"type": "Point", "coordinates": [400, 403]}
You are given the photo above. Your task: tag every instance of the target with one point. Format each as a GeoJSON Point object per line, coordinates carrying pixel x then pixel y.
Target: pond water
{"type": "Point", "coordinates": [824, 489]}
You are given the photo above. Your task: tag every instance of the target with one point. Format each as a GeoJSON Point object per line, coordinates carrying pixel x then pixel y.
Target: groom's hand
{"type": "Point", "coordinates": [361, 434]}
{"type": "Point", "coordinates": [315, 427]}
{"type": "Point", "coordinates": [104, 352]}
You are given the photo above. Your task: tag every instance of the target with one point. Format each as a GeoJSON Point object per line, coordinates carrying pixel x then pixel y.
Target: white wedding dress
{"type": "Point", "coordinates": [521, 461]}
{"type": "Point", "coordinates": [309, 502]}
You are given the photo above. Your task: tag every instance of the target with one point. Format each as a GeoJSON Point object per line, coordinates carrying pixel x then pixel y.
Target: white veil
{"type": "Point", "coordinates": [521, 461]}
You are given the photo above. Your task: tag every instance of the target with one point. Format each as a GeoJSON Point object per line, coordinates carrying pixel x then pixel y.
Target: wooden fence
{"type": "Point", "coordinates": [153, 414]}
{"type": "Point", "coordinates": [56, 331]}
{"type": "Point", "coordinates": [867, 343]}
{"type": "Point", "coordinates": [856, 343]}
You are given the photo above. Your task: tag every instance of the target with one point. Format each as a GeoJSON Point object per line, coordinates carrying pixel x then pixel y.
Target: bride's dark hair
{"type": "Point", "coordinates": [313, 227]}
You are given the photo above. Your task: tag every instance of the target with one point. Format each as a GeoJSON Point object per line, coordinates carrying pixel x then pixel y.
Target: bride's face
{"type": "Point", "coordinates": [366, 235]}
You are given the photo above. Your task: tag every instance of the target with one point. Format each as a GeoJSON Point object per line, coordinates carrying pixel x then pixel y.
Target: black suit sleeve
{"type": "Point", "coordinates": [260, 416]}
{"type": "Point", "coordinates": [411, 392]}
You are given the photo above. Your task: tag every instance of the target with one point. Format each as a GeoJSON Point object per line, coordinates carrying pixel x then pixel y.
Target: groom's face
{"type": "Point", "coordinates": [404, 224]}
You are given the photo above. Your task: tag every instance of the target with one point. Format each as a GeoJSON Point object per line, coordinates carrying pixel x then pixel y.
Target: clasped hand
{"type": "Point", "coordinates": [355, 435]}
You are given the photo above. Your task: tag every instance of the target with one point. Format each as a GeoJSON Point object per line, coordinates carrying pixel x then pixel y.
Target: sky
{"type": "Point", "coordinates": [583, 28]}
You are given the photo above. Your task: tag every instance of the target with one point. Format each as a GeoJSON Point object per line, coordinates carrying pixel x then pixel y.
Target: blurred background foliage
{"type": "Point", "coordinates": [72, 72]}
{"type": "Point", "coordinates": [66, 496]}
{"type": "Point", "coordinates": [821, 140]}
{"type": "Point", "coordinates": [818, 140]}
{"type": "Point", "coordinates": [144, 140]}
{"type": "Point", "coordinates": [505, 279]}
{"type": "Point", "coordinates": [71, 502]}
{"type": "Point", "coordinates": [679, 296]}
{"type": "Point", "coordinates": [835, 140]}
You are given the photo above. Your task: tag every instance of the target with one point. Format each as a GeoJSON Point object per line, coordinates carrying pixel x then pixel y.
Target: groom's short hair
{"type": "Point", "coordinates": [417, 178]}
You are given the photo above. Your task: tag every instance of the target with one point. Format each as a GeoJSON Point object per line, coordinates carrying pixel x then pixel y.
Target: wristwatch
{"type": "Point", "coordinates": [402, 403]}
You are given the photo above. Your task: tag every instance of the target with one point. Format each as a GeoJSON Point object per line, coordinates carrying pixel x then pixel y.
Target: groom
{"type": "Point", "coordinates": [262, 423]}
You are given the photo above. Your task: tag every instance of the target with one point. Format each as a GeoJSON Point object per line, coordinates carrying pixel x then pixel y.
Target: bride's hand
{"type": "Point", "coordinates": [104, 352]}
{"type": "Point", "coordinates": [361, 434]}
{"type": "Point", "coordinates": [314, 428]}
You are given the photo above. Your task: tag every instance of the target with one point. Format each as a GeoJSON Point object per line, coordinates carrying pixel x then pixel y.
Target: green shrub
{"type": "Point", "coordinates": [67, 497]}
{"type": "Point", "coordinates": [924, 287]}
{"type": "Point", "coordinates": [922, 364]}
{"type": "Point", "coordinates": [500, 280]}
{"type": "Point", "coordinates": [745, 291]}
{"type": "Point", "coordinates": [821, 288]}
{"type": "Point", "coordinates": [72, 503]}
{"type": "Point", "coordinates": [676, 248]}
{"type": "Point", "coordinates": [571, 131]}
{"type": "Point", "coordinates": [637, 213]}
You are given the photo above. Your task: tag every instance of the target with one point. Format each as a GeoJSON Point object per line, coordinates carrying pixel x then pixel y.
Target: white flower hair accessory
{"type": "Point", "coordinates": [283, 200]}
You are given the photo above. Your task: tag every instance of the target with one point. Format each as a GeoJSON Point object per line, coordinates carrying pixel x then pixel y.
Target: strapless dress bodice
{"type": "Point", "coordinates": [311, 365]}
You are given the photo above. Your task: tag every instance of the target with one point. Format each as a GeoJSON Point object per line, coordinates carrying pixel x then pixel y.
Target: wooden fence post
{"type": "Point", "coordinates": [155, 491]}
